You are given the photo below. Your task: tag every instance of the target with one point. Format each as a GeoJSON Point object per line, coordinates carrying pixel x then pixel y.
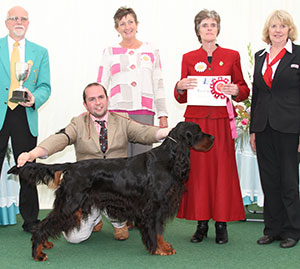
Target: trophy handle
{"type": "Point", "coordinates": [29, 69]}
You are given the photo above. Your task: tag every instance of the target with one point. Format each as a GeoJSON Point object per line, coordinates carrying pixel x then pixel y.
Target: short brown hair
{"type": "Point", "coordinates": [285, 18]}
{"type": "Point", "coordinates": [206, 14]}
{"type": "Point", "coordinates": [90, 85]}
{"type": "Point", "coordinates": [122, 12]}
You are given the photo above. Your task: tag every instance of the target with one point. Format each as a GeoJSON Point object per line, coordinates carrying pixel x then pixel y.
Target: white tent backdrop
{"type": "Point", "coordinates": [75, 32]}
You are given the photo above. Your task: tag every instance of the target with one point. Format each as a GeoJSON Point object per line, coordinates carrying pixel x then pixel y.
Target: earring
{"type": "Point", "coordinates": [118, 35]}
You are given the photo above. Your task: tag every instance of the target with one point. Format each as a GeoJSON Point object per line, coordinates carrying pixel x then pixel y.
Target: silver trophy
{"type": "Point", "coordinates": [22, 72]}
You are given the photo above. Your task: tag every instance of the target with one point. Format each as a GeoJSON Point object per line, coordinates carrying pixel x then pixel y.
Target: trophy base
{"type": "Point", "coordinates": [19, 96]}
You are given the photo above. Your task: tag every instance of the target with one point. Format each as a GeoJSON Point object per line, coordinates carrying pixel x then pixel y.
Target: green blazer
{"type": "Point", "coordinates": [38, 82]}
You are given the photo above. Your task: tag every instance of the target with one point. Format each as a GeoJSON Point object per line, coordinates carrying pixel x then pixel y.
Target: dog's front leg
{"type": "Point", "coordinates": [37, 253]}
{"type": "Point", "coordinates": [37, 247]}
{"type": "Point", "coordinates": [164, 248]}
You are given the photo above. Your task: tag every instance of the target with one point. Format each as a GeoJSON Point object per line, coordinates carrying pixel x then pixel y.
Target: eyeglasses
{"type": "Point", "coordinates": [15, 18]}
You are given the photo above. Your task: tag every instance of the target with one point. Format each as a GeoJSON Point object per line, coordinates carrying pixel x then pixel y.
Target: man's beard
{"type": "Point", "coordinates": [19, 32]}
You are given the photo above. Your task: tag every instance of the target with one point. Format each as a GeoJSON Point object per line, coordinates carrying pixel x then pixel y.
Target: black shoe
{"type": "Point", "coordinates": [267, 239]}
{"type": "Point", "coordinates": [28, 227]}
{"type": "Point", "coordinates": [201, 231]}
{"type": "Point", "coordinates": [288, 243]}
{"type": "Point", "coordinates": [221, 232]}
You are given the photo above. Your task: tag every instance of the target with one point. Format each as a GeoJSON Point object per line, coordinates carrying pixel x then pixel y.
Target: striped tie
{"type": "Point", "coordinates": [15, 57]}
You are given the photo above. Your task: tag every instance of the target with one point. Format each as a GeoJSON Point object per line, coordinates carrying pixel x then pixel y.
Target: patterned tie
{"type": "Point", "coordinates": [103, 136]}
{"type": "Point", "coordinates": [15, 57]}
{"type": "Point", "coordinates": [268, 73]}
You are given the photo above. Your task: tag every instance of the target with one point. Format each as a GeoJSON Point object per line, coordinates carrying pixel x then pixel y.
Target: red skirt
{"type": "Point", "coordinates": [213, 188]}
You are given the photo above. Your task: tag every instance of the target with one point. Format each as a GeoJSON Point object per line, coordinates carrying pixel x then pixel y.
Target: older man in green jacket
{"type": "Point", "coordinates": [19, 121]}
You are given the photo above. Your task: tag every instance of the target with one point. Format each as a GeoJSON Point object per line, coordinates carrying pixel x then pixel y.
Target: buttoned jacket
{"type": "Point", "coordinates": [279, 105]}
{"type": "Point", "coordinates": [225, 62]}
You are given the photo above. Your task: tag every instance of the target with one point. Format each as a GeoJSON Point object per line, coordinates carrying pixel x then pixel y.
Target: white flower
{"type": "Point", "coordinates": [200, 66]}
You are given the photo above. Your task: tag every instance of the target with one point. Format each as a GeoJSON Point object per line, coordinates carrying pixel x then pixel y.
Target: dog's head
{"type": "Point", "coordinates": [191, 134]}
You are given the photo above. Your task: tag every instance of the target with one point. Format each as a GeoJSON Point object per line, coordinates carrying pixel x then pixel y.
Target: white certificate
{"type": "Point", "coordinates": [208, 91]}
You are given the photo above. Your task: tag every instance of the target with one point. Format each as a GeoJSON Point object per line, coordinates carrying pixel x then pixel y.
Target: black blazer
{"type": "Point", "coordinates": [279, 105]}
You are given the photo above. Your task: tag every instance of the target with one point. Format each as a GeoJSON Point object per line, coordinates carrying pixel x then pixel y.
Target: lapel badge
{"type": "Point", "coordinates": [221, 63]}
{"type": "Point", "coordinates": [296, 66]}
{"type": "Point", "coordinates": [200, 66]}
{"type": "Point", "coordinates": [35, 72]}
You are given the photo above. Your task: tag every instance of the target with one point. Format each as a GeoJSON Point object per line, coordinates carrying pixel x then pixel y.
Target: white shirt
{"type": "Point", "coordinates": [21, 48]}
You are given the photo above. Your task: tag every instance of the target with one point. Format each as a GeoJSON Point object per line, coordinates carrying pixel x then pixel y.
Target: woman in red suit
{"type": "Point", "coordinates": [213, 190]}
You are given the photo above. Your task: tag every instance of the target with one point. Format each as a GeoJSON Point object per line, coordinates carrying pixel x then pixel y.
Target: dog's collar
{"type": "Point", "coordinates": [172, 139]}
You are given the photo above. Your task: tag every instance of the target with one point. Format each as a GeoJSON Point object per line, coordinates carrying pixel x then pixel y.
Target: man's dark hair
{"type": "Point", "coordinates": [90, 85]}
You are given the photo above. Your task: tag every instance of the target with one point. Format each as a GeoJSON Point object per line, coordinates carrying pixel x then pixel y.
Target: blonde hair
{"type": "Point", "coordinates": [285, 18]}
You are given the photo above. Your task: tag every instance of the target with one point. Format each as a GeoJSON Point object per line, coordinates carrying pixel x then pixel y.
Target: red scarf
{"type": "Point", "coordinates": [268, 73]}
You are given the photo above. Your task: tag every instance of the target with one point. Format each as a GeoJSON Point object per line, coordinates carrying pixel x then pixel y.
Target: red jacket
{"type": "Point", "coordinates": [225, 62]}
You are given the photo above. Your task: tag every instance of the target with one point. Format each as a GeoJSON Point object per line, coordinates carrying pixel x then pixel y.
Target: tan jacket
{"type": "Point", "coordinates": [82, 134]}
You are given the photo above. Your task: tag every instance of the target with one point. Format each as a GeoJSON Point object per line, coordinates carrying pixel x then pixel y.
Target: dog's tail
{"type": "Point", "coordinates": [38, 173]}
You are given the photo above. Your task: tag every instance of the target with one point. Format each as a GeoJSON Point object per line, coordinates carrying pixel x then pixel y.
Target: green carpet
{"type": "Point", "coordinates": [103, 251]}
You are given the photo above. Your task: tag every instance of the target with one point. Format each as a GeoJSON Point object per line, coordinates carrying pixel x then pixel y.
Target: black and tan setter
{"type": "Point", "coordinates": [146, 189]}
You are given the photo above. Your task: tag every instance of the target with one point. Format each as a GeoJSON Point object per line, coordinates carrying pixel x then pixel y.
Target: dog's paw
{"type": "Point", "coordinates": [41, 258]}
{"type": "Point", "coordinates": [168, 246]}
{"type": "Point", "coordinates": [165, 252]}
{"type": "Point", "coordinates": [39, 255]}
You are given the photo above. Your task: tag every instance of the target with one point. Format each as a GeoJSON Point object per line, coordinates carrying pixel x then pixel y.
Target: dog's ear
{"type": "Point", "coordinates": [189, 138]}
{"type": "Point", "coordinates": [14, 170]}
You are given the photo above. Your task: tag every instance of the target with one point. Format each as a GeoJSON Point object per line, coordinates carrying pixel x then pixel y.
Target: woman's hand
{"type": "Point", "coordinates": [230, 89]}
{"type": "Point", "coordinates": [187, 84]}
{"type": "Point", "coordinates": [163, 122]}
{"type": "Point", "coordinates": [252, 142]}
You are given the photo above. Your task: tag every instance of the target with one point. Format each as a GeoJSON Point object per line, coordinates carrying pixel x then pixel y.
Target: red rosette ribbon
{"type": "Point", "coordinates": [216, 90]}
